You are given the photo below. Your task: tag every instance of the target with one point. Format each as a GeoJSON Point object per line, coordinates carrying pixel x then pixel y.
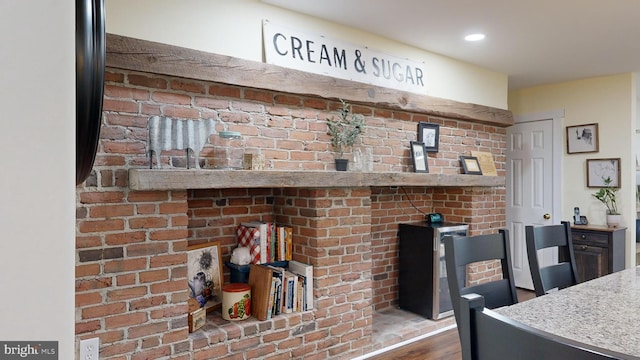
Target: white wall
{"type": "Point", "coordinates": [234, 28]}
{"type": "Point", "coordinates": [37, 185]}
{"type": "Point", "coordinates": [609, 101]}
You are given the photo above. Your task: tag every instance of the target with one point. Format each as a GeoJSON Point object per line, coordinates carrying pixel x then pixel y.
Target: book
{"type": "Point", "coordinates": [290, 291]}
{"type": "Point", "coordinates": [288, 239]}
{"type": "Point", "coordinates": [277, 289]}
{"type": "Point", "coordinates": [278, 273]}
{"type": "Point", "coordinates": [271, 298]}
{"type": "Point", "coordinates": [300, 296]}
{"type": "Point", "coordinates": [272, 242]}
{"type": "Point", "coordinates": [306, 271]}
{"type": "Point", "coordinates": [281, 243]}
{"type": "Point", "coordinates": [260, 279]}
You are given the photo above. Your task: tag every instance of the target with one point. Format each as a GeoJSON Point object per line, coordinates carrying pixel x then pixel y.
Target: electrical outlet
{"type": "Point", "coordinates": [89, 349]}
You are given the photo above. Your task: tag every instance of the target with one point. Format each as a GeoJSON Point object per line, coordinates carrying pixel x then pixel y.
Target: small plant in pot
{"type": "Point", "coordinates": [607, 196]}
{"type": "Point", "coordinates": [344, 131]}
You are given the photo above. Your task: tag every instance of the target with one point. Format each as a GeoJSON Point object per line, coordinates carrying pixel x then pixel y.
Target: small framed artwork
{"type": "Point", "coordinates": [419, 156]}
{"type": "Point", "coordinates": [582, 139]}
{"type": "Point", "coordinates": [429, 134]}
{"type": "Point", "coordinates": [204, 274]}
{"type": "Point", "coordinates": [470, 165]}
{"type": "Point", "coordinates": [598, 170]}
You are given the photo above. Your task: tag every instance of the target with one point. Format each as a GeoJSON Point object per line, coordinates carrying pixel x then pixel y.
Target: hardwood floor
{"type": "Point", "coordinates": [442, 346]}
{"type": "Point", "coordinates": [445, 345]}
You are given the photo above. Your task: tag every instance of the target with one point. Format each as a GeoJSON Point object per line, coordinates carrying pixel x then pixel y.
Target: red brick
{"type": "Point", "coordinates": [154, 275]}
{"type": "Point", "coordinates": [84, 299]}
{"type": "Point", "coordinates": [125, 238]}
{"type": "Point", "coordinates": [104, 310]}
{"type": "Point", "coordinates": [171, 98]}
{"type": "Point", "coordinates": [188, 86]}
{"type": "Point", "coordinates": [147, 196]}
{"type": "Point", "coordinates": [108, 211]}
{"type": "Point", "coordinates": [147, 329]}
{"type": "Point", "coordinates": [101, 197]}
{"type": "Point", "coordinates": [168, 286]}
{"type": "Point", "coordinates": [148, 302]}
{"type": "Point", "coordinates": [122, 265]}
{"type": "Point", "coordinates": [147, 223]}
{"type": "Point", "coordinates": [146, 81]}
{"type": "Point", "coordinates": [168, 234]}
{"type": "Point", "coordinates": [101, 225]}
{"type": "Point", "coordinates": [87, 270]}
{"type": "Point", "coordinates": [126, 293]}
{"type": "Point", "coordinates": [226, 91]}
{"type": "Point", "coordinates": [87, 327]}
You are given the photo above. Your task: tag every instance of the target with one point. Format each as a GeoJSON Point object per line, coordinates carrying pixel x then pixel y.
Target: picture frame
{"type": "Point", "coordinates": [582, 139]}
{"type": "Point", "coordinates": [204, 274]}
{"type": "Point", "coordinates": [429, 135]}
{"type": "Point", "coordinates": [419, 157]}
{"type": "Point", "coordinates": [470, 165]}
{"type": "Point", "coordinates": [600, 169]}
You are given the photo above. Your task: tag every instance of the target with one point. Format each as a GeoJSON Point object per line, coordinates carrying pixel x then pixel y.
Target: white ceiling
{"type": "Point", "coordinates": [534, 42]}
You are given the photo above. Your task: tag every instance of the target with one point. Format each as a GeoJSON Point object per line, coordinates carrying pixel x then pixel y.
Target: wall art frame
{"type": "Point", "coordinates": [429, 134]}
{"type": "Point", "coordinates": [470, 165]}
{"type": "Point", "coordinates": [419, 157]}
{"type": "Point", "coordinates": [204, 274]}
{"type": "Point", "coordinates": [582, 138]}
{"type": "Point", "coordinates": [600, 169]}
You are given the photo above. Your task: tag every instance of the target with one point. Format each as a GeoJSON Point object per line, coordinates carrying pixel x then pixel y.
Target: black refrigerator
{"type": "Point", "coordinates": [422, 280]}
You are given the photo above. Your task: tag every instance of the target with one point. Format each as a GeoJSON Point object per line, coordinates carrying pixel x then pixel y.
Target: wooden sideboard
{"type": "Point", "coordinates": [599, 250]}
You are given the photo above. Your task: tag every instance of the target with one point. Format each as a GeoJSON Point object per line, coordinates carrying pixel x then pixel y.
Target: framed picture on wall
{"type": "Point", "coordinates": [598, 170]}
{"type": "Point", "coordinates": [582, 138]}
{"type": "Point", "coordinates": [429, 134]}
{"type": "Point", "coordinates": [419, 157]}
{"type": "Point", "coordinates": [204, 274]}
{"type": "Point", "coordinates": [470, 165]}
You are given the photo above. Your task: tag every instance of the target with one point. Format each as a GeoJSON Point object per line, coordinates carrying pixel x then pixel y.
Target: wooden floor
{"type": "Point", "coordinates": [442, 346]}
{"type": "Point", "coordinates": [445, 345]}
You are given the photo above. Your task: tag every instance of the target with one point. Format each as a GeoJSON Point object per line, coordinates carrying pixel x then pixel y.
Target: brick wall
{"type": "Point", "coordinates": [131, 261]}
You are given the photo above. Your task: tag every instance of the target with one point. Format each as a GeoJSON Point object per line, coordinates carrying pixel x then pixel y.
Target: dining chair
{"type": "Point", "coordinates": [487, 335]}
{"type": "Point", "coordinates": [460, 251]}
{"type": "Point", "coordinates": [556, 276]}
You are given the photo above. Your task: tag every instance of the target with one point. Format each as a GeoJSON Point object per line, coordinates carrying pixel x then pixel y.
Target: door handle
{"type": "Point", "coordinates": [546, 216]}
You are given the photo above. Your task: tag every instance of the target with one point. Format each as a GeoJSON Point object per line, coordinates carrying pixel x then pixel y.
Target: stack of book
{"type": "Point", "coordinates": [278, 290]}
{"type": "Point", "coordinates": [267, 242]}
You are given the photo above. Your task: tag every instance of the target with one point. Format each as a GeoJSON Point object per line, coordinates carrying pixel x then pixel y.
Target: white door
{"type": "Point", "coordinates": [531, 188]}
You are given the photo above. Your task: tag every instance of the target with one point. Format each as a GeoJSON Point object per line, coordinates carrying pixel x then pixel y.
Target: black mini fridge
{"type": "Point", "coordinates": [422, 279]}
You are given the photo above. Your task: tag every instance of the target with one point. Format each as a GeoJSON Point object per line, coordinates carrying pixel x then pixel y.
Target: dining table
{"type": "Point", "coordinates": [603, 312]}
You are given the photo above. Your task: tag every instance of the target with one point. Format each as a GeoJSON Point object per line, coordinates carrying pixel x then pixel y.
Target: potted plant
{"type": "Point", "coordinates": [344, 131]}
{"type": "Point", "coordinates": [607, 196]}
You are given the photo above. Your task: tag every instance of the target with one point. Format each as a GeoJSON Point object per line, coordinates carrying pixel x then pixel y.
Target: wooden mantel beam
{"type": "Point", "coordinates": [152, 57]}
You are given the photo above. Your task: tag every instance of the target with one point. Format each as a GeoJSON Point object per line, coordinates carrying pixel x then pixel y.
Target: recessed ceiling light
{"type": "Point", "coordinates": [474, 37]}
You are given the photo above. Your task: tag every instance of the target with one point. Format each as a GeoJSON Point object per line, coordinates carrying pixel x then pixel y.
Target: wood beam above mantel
{"type": "Point", "coordinates": [152, 57]}
{"type": "Point", "coordinates": [174, 179]}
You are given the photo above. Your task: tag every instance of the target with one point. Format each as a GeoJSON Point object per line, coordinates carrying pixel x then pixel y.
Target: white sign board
{"type": "Point", "coordinates": [320, 55]}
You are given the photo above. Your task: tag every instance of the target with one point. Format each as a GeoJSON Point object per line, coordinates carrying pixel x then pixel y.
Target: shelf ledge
{"type": "Point", "coordinates": [176, 179]}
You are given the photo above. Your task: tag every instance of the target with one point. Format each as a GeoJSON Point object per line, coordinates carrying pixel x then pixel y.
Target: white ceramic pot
{"type": "Point", "coordinates": [613, 221]}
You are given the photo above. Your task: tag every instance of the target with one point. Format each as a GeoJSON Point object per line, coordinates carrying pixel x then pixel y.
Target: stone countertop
{"type": "Point", "coordinates": [604, 312]}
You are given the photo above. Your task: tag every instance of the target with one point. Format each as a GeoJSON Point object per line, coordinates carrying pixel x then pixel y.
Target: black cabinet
{"type": "Point", "coordinates": [598, 250]}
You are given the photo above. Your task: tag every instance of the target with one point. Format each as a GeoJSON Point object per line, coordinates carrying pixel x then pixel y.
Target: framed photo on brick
{"type": "Point", "coordinates": [204, 274]}
{"type": "Point", "coordinates": [419, 157]}
{"type": "Point", "coordinates": [470, 165]}
{"type": "Point", "coordinates": [429, 134]}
